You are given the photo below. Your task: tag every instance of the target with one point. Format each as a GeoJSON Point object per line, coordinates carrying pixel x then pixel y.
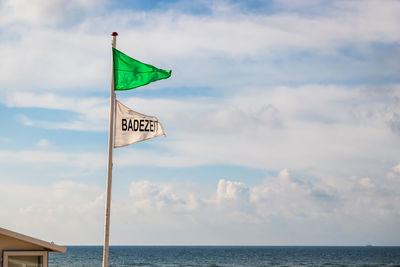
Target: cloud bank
{"type": "Point", "coordinates": [274, 212]}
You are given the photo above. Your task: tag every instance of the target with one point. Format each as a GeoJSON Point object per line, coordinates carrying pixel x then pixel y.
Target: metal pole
{"type": "Point", "coordinates": [110, 164]}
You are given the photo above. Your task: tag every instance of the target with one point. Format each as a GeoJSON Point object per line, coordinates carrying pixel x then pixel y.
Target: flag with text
{"type": "Point", "coordinates": [132, 127]}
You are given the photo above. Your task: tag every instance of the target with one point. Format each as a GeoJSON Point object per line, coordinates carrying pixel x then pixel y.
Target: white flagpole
{"type": "Point", "coordinates": [110, 164]}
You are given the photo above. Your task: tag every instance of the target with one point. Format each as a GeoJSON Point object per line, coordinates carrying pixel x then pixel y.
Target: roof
{"type": "Point", "coordinates": [47, 245]}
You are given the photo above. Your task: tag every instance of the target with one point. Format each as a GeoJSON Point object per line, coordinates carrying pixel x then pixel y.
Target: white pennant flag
{"type": "Point", "coordinates": [132, 127]}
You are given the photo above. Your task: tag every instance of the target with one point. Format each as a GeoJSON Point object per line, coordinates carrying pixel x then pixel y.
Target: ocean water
{"type": "Point", "coordinates": [214, 256]}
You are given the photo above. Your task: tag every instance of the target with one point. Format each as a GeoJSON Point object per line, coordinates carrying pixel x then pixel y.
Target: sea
{"type": "Point", "coordinates": [214, 256]}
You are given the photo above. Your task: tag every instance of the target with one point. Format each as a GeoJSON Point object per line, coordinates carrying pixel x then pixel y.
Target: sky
{"type": "Point", "coordinates": [282, 122]}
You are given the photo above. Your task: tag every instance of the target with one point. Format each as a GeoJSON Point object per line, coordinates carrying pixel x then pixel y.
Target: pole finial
{"type": "Point", "coordinates": [114, 34]}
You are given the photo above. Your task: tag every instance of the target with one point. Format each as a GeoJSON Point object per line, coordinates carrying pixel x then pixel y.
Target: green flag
{"type": "Point", "coordinates": [130, 73]}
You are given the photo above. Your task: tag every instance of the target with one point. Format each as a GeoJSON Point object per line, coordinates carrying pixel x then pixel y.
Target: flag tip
{"type": "Point", "coordinates": [114, 34]}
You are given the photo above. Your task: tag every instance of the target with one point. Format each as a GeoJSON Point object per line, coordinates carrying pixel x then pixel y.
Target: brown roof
{"type": "Point", "coordinates": [47, 245]}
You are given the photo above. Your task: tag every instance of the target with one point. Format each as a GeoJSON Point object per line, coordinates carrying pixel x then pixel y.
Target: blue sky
{"type": "Point", "coordinates": [282, 121]}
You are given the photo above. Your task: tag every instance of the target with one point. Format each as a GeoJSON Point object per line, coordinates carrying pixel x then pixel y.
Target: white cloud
{"type": "Point", "coordinates": [65, 212]}
{"type": "Point", "coordinates": [41, 157]}
{"type": "Point", "coordinates": [257, 34]}
{"type": "Point", "coordinates": [44, 143]}
{"type": "Point", "coordinates": [233, 212]}
{"type": "Point", "coordinates": [92, 113]}
{"type": "Point", "coordinates": [235, 208]}
{"type": "Point", "coordinates": [294, 198]}
{"type": "Point", "coordinates": [320, 129]}
{"type": "Point", "coordinates": [148, 196]}
{"type": "Point", "coordinates": [41, 12]}
{"type": "Point", "coordinates": [232, 191]}
{"type": "Point", "coordinates": [31, 12]}
{"type": "Point", "coordinates": [53, 101]}
{"type": "Point", "coordinates": [76, 57]}
{"type": "Point", "coordinates": [397, 168]}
